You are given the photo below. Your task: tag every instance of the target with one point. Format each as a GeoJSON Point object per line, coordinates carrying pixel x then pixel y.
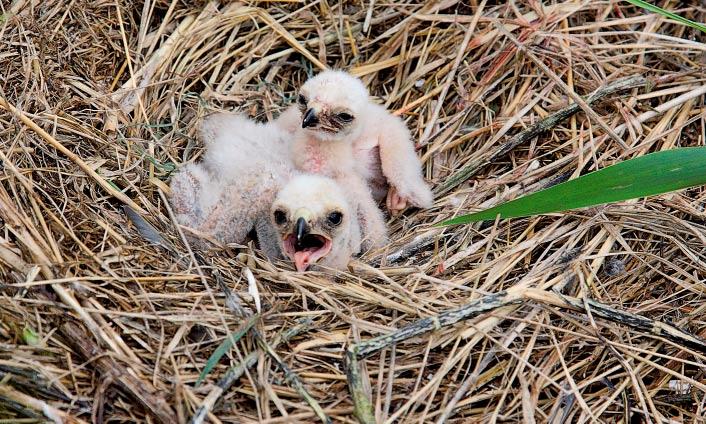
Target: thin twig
{"type": "Point", "coordinates": [575, 97]}
{"type": "Point", "coordinates": [71, 155]}
{"type": "Point", "coordinates": [450, 76]}
{"type": "Point", "coordinates": [355, 352]}
{"type": "Point", "coordinates": [545, 124]}
{"type": "Point", "coordinates": [234, 374]}
{"type": "Point", "coordinates": [55, 415]}
{"type": "Point", "coordinates": [290, 376]}
{"type": "Point", "coordinates": [142, 390]}
{"type": "Point", "coordinates": [294, 381]}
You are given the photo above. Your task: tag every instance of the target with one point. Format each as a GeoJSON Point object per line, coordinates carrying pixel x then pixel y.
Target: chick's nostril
{"type": "Point", "coordinates": [310, 119]}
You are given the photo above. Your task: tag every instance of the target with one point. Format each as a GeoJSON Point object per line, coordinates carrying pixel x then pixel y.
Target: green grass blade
{"type": "Point", "coordinates": [225, 347]}
{"type": "Point", "coordinates": [648, 175]}
{"type": "Point", "coordinates": [668, 14]}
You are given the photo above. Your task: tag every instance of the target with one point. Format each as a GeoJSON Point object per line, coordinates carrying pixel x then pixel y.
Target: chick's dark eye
{"type": "Point", "coordinates": [335, 218]}
{"type": "Point", "coordinates": [280, 217]}
{"type": "Point", "coordinates": [345, 117]}
{"type": "Point", "coordinates": [301, 100]}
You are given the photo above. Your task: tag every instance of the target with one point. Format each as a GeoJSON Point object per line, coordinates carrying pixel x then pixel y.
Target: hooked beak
{"type": "Point", "coordinates": [303, 246]}
{"type": "Point", "coordinates": [300, 230]}
{"type": "Point", "coordinates": [310, 119]}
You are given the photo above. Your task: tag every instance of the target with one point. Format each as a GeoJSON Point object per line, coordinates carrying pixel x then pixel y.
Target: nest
{"type": "Point", "coordinates": [108, 315]}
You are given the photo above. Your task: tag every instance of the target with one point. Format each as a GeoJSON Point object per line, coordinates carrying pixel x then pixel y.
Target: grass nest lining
{"type": "Point", "coordinates": [106, 315]}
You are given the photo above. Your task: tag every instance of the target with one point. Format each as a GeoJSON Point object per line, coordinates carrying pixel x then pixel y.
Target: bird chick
{"type": "Point", "coordinates": [246, 181]}
{"type": "Point", "coordinates": [244, 166]}
{"type": "Point", "coordinates": [315, 223]}
{"type": "Point", "coordinates": [338, 128]}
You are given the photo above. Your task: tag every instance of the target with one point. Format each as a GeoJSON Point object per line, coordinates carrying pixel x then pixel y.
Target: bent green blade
{"type": "Point", "coordinates": [225, 346]}
{"type": "Point", "coordinates": [648, 175]}
{"type": "Point", "coordinates": [667, 14]}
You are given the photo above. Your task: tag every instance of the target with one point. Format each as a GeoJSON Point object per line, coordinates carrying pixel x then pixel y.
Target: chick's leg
{"type": "Point", "coordinates": [370, 218]}
{"type": "Point", "coordinates": [394, 202]}
{"type": "Point", "coordinates": [401, 167]}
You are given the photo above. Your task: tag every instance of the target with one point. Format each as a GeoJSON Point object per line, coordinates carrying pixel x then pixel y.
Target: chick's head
{"type": "Point", "coordinates": [331, 104]}
{"type": "Point", "coordinates": [315, 223]}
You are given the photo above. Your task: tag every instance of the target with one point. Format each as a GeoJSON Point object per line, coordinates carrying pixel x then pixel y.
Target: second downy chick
{"type": "Point", "coordinates": [338, 130]}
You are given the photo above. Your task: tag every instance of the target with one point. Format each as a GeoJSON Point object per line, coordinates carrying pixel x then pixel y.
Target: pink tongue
{"type": "Point", "coordinates": [301, 260]}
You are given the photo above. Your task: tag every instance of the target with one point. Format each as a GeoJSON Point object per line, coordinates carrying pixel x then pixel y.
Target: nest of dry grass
{"type": "Point", "coordinates": [107, 317]}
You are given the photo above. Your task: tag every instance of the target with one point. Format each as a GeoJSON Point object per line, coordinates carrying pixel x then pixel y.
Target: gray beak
{"type": "Point", "coordinates": [310, 119]}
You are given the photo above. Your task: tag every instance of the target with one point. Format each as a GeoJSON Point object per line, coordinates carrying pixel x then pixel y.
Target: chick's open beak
{"type": "Point", "coordinates": [310, 118]}
{"type": "Point", "coordinates": [301, 245]}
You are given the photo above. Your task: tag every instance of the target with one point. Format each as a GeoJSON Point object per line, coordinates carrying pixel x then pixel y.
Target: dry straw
{"type": "Point", "coordinates": [592, 315]}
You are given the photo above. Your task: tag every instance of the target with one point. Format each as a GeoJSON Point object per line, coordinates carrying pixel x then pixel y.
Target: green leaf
{"type": "Point", "coordinates": [225, 347]}
{"type": "Point", "coordinates": [30, 337]}
{"type": "Point", "coordinates": [112, 184]}
{"type": "Point", "coordinates": [668, 14]}
{"type": "Point", "coordinates": [648, 175]}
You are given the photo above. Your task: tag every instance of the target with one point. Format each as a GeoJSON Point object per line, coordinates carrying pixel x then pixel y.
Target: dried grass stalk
{"type": "Point", "coordinates": [99, 102]}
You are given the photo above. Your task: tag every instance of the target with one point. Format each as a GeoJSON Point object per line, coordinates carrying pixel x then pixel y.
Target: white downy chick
{"type": "Point", "coordinates": [338, 128]}
{"type": "Point", "coordinates": [315, 224]}
{"type": "Point", "coordinates": [243, 168]}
